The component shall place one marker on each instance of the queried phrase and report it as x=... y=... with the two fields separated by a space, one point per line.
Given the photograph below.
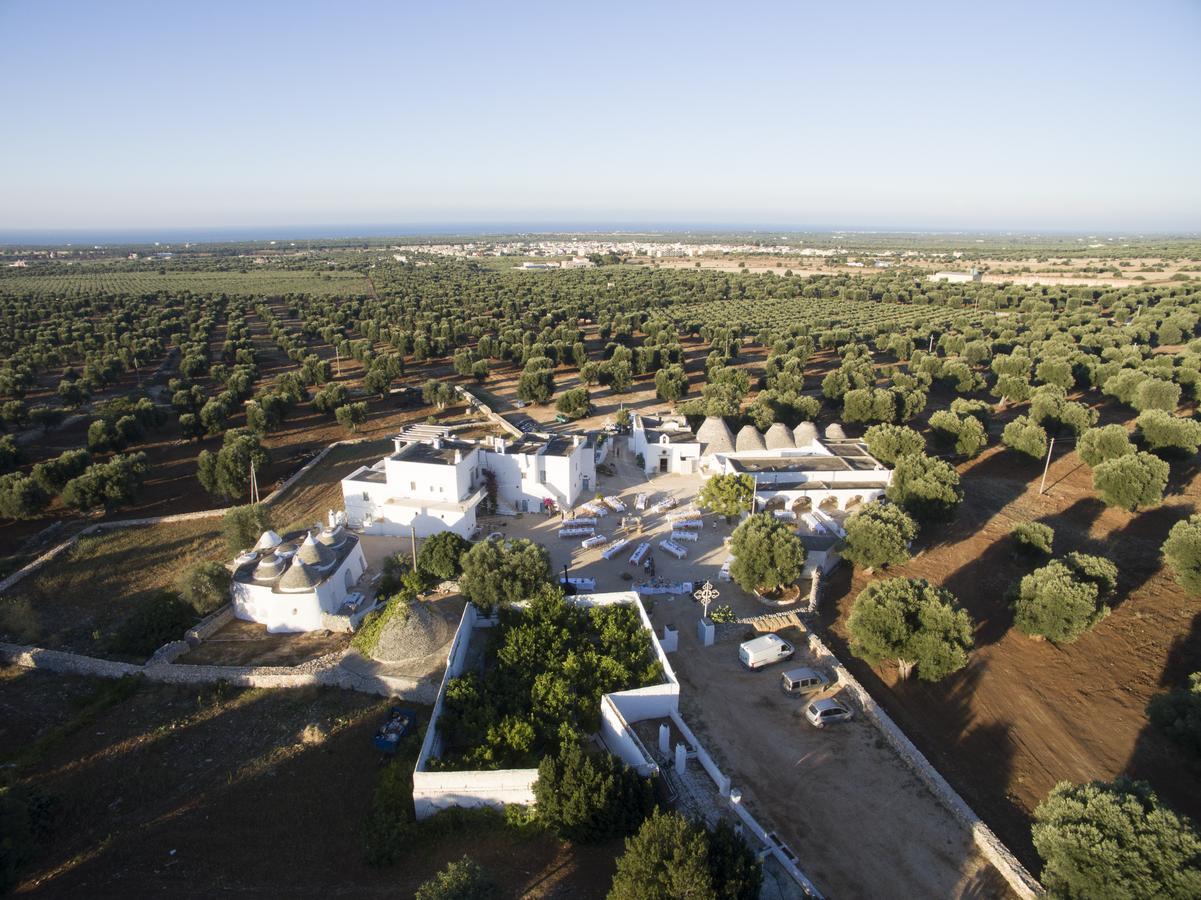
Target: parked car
x=821 y=713
x=765 y=650
x=803 y=681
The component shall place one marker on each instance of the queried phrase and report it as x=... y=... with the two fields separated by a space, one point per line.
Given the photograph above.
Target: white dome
x=269 y=540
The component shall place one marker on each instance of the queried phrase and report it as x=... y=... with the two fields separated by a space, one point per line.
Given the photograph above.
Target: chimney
x=458 y=456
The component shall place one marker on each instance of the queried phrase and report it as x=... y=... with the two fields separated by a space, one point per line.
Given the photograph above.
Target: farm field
x=1026 y=714
x=251 y=283
x=164 y=788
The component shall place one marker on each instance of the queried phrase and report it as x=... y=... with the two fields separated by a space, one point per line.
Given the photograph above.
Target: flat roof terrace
x=808 y=463
x=441 y=455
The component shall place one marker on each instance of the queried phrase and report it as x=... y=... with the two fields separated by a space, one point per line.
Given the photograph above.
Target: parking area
x=860 y=821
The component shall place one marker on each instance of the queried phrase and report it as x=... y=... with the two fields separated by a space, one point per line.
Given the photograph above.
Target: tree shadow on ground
x=1172 y=770
x=954 y=742
x=1136 y=547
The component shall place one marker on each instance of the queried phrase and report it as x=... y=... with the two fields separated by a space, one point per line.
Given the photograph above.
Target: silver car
x=821 y=713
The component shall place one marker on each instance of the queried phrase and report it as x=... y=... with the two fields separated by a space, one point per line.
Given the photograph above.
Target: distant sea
x=183 y=234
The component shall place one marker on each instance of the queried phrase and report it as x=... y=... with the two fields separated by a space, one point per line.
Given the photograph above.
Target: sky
x=1007 y=115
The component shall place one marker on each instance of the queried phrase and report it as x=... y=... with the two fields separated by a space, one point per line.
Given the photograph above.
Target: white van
x=765 y=650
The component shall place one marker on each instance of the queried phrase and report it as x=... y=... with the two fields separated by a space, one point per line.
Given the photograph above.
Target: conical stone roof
x=299 y=577
x=749 y=439
x=314 y=554
x=804 y=434
x=715 y=436
x=269 y=567
x=834 y=432
x=779 y=437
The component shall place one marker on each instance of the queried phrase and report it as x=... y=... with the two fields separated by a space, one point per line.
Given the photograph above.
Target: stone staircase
x=774 y=621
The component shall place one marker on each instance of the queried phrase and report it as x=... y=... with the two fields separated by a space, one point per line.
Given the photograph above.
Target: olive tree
x=1065 y=598
x=441 y=555
x=1096 y=445
x=888 y=443
x=1115 y=840
x=877 y=535
x=926 y=488
x=727 y=495
x=919 y=625
x=1182 y=551
x=496 y=573
x=1025 y=436
x=1133 y=481
x=767 y=553
x=1163 y=431
x=241 y=526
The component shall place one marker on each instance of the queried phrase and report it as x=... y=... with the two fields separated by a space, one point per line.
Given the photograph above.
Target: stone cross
x=706 y=594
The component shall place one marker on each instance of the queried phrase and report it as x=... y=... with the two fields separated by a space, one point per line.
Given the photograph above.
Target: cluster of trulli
x=296 y=585
x=715 y=436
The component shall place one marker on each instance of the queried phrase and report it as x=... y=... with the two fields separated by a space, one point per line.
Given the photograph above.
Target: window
x=412 y=485
x=365 y=496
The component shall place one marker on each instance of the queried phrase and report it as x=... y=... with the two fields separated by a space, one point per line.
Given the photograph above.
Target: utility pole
x=1043 y=486
x=254 y=484
x=413 y=544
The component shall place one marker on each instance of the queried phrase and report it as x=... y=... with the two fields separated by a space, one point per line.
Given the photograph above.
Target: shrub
x=1026 y=437
x=878 y=534
x=767 y=553
x=1178 y=714
x=1115 y=840
x=914 y=622
x=153 y=622
x=727 y=495
x=587 y=797
x=722 y=614
x=1132 y=481
x=1182 y=551
x=496 y=573
x=1034 y=537
x=928 y=489
x=1065 y=598
x=440 y=557
x=464 y=879
x=888 y=443
x=205 y=586
x=242 y=526
x=1097 y=445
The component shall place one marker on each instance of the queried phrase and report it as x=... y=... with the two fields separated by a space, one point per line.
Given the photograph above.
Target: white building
x=301 y=584
x=792 y=469
x=957 y=277
x=434 y=482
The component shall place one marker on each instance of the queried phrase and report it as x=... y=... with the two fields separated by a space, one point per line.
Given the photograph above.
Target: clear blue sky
x=1033 y=115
